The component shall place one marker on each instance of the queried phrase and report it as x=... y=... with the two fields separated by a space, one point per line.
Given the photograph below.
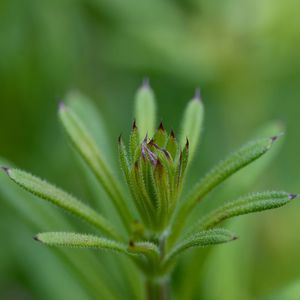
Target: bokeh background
x=245 y=57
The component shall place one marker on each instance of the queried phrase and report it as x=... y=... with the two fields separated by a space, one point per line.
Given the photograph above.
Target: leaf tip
x=146 y=83
x=187 y=144
x=276 y=137
x=197 y=95
x=36 y=238
x=61 y=106
x=293 y=196
x=134 y=125
x=120 y=138
x=172 y=134
x=161 y=126
x=145 y=138
x=6 y=170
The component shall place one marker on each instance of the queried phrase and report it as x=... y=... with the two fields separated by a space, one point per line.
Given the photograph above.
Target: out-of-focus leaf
x=145 y=110
x=290 y=291
x=88 y=112
x=192 y=124
x=88 y=149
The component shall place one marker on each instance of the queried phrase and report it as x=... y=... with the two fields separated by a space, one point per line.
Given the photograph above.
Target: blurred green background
x=244 y=55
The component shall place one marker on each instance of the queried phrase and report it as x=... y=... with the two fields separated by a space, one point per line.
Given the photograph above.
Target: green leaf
x=181 y=168
x=78 y=240
x=143 y=202
x=160 y=137
x=145 y=110
x=133 y=142
x=146 y=248
x=123 y=158
x=172 y=146
x=254 y=202
x=234 y=162
x=192 y=123
x=162 y=188
x=87 y=148
x=201 y=239
x=62 y=199
x=89 y=114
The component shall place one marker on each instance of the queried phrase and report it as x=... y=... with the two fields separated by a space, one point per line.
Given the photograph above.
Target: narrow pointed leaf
x=172 y=146
x=145 y=110
x=142 y=203
x=202 y=239
x=141 y=191
x=133 y=142
x=79 y=240
x=146 y=248
x=124 y=163
x=160 y=137
x=61 y=199
x=192 y=124
x=254 y=202
x=162 y=191
x=234 y=162
x=88 y=112
x=87 y=148
x=181 y=167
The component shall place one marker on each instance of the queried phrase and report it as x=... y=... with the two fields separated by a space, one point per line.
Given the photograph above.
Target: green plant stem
x=158 y=289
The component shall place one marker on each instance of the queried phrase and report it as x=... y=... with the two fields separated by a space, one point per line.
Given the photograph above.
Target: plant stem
x=158 y=289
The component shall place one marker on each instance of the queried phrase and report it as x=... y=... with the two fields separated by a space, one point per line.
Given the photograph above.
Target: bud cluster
x=154 y=171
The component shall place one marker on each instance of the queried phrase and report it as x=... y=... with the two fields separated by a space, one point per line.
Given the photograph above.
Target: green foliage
x=87 y=148
x=201 y=239
x=154 y=166
x=145 y=110
x=223 y=170
x=77 y=240
x=62 y=199
x=192 y=123
x=245 y=205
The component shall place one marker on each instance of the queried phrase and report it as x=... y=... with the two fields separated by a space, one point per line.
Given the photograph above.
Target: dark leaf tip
x=161 y=126
x=166 y=153
x=120 y=138
x=197 y=95
x=36 y=238
x=187 y=144
x=6 y=170
x=146 y=83
x=293 y=196
x=61 y=106
x=172 y=134
x=276 y=137
x=134 y=125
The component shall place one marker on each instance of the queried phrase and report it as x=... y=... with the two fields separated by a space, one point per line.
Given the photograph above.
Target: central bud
x=154 y=171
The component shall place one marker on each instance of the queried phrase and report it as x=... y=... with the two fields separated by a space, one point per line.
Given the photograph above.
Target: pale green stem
x=158 y=289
